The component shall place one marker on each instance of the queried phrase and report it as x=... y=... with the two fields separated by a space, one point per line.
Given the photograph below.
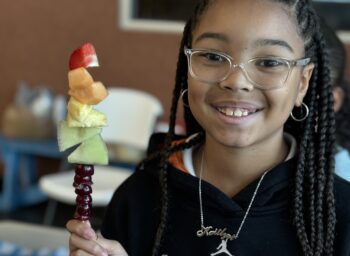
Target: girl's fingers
x=81 y=228
x=84 y=241
x=112 y=247
x=80 y=246
x=79 y=253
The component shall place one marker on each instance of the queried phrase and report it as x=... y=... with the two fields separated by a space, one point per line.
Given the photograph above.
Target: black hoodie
x=133 y=215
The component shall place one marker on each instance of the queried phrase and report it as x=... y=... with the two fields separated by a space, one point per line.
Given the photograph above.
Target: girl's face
x=245 y=30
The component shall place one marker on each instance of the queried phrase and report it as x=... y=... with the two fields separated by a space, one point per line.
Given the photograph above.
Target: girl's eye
x=214 y=57
x=269 y=63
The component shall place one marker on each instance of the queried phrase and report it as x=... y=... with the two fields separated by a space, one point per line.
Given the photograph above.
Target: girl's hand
x=84 y=241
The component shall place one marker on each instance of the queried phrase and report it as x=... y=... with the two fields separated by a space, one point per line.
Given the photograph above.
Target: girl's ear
x=304 y=83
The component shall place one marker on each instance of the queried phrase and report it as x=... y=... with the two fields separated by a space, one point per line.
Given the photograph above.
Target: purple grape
x=84 y=199
x=82 y=183
x=84 y=169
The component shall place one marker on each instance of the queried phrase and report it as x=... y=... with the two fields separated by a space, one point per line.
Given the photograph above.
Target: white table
x=33 y=236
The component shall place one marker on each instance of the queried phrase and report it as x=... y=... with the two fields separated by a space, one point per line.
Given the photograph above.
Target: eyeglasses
x=263 y=72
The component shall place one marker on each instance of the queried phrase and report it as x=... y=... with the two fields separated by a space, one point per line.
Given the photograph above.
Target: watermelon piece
x=85 y=56
x=70 y=136
x=79 y=78
x=94 y=119
x=91 y=151
x=92 y=94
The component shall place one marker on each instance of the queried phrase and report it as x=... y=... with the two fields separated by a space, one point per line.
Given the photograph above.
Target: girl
x=254 y=175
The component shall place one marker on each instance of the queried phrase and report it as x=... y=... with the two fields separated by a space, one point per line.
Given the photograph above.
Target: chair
x=132 y=116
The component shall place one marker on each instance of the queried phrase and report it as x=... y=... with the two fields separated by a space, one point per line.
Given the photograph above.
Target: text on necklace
x=221 y=232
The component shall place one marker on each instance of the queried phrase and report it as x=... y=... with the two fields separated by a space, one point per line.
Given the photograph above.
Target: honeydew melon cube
x=91 y=151
x=68 y=137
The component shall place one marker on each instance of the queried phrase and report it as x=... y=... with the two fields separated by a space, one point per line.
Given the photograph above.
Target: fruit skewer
x=82 y=126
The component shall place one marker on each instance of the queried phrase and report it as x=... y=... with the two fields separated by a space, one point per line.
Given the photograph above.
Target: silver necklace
x=221 y=232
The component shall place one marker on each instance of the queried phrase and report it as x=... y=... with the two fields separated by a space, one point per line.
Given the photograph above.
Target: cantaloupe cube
x=79 y=78
x=70 y=136
x=92 y=94
x=91 y=151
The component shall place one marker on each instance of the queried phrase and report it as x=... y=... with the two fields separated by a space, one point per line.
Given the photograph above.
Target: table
x=20 y=171
x=33 y=236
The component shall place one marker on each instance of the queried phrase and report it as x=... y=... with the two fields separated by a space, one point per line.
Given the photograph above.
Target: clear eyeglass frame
x=290 y=64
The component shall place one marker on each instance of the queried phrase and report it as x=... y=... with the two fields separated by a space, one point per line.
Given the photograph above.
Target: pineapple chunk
x=94 y=119
x=78 y=110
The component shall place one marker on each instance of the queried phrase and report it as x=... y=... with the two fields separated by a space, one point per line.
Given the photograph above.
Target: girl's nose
x=236 y=80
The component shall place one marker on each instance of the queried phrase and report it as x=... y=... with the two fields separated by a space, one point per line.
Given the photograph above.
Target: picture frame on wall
x=133 y=15
x=169 y=15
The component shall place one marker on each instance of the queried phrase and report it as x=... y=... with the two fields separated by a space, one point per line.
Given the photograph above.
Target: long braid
x=329 y=125
x=325 y=207
x=310 y=158
x=311 y=171
x=335 y=52
x=305 y=180
x=317 y=211
x=163 y=164
x=180 y=84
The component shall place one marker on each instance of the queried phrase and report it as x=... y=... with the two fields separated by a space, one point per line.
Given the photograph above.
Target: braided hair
x=314 y=207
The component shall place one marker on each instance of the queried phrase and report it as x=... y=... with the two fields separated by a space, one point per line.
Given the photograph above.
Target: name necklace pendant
x=207 y=231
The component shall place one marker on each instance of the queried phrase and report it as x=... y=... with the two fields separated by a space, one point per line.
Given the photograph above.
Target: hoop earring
x=182 y=98
x=306 y=113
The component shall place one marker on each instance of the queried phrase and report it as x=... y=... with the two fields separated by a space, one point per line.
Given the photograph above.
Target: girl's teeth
x=234 y=112
x=238 y=113
x=229 y=112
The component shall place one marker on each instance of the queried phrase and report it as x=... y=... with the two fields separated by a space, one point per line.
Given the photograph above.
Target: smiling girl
x=254 y=175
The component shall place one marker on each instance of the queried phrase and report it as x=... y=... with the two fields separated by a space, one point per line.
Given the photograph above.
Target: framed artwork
x=335 y=13
x=169 y=15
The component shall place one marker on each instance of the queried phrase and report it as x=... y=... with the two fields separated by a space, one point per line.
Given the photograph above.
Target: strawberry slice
x=85 y=56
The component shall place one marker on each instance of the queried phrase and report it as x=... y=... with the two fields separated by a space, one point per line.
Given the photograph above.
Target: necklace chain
x=235 y=236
